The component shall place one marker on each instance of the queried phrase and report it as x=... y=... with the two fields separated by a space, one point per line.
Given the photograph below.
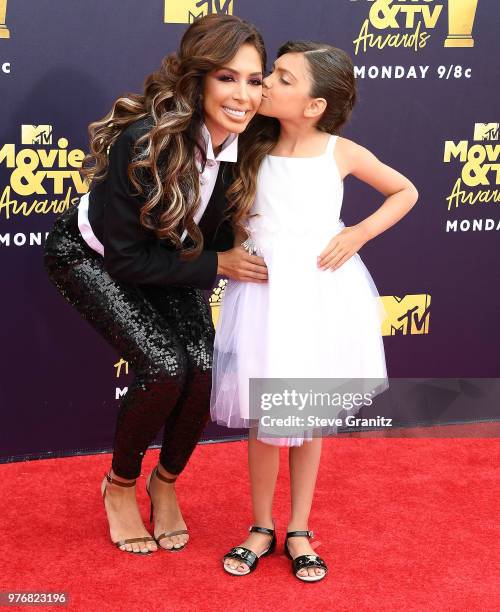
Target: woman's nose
x=241 y=92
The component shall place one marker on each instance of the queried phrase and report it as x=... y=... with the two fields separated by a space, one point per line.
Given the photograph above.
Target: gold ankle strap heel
x=109 y=479
x=165 y=534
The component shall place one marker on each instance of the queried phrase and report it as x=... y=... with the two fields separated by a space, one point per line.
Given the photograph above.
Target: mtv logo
x=486 y=131
x=36 y=134
x=187 y=11
x=406 y=315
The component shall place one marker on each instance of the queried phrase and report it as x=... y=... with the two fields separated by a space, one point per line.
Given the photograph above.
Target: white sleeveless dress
x=304 y=322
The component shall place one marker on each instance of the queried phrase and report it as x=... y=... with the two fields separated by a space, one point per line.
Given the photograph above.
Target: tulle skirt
x=304 y=323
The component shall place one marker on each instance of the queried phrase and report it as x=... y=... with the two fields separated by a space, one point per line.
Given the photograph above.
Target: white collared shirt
x=228 y=153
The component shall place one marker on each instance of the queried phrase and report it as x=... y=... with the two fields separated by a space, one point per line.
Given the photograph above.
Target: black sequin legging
x=165 y=333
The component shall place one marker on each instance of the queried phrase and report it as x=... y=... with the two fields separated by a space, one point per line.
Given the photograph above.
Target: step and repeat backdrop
x=428 y=80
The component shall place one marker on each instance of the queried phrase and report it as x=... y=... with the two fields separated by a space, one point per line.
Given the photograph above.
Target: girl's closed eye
x=284 y=81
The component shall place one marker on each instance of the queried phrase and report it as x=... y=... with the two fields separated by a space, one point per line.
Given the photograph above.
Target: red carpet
x=404 y=524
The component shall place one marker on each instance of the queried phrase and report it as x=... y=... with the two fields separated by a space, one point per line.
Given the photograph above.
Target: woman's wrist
x=221 y=271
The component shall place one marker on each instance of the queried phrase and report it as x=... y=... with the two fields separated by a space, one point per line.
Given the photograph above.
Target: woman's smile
x=235 y=113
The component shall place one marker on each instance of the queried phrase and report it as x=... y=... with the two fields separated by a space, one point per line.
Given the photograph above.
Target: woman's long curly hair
x=164 y=168
x=332 y=75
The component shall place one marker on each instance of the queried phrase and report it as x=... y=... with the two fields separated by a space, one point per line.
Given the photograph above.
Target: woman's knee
x=165 y=362
x=200 y=354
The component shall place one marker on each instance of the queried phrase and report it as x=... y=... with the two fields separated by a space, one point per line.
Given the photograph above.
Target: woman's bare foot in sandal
x=125 y=522
x=166 y=512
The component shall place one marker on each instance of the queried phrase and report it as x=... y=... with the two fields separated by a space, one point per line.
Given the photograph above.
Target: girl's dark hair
x=167 y=152
x=332 y=76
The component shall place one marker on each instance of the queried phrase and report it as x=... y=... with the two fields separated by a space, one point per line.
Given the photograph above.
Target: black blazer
x=134 y=254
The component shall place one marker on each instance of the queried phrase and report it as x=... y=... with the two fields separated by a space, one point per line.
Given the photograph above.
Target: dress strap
x=332 y=141
x=331 y=145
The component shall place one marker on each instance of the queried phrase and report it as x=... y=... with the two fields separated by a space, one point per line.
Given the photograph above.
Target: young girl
x=287 y=196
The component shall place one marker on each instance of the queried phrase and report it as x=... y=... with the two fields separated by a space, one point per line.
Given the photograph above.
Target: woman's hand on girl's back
x=239 y=265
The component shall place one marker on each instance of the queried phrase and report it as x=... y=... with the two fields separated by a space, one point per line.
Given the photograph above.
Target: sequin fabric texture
x=165 y=333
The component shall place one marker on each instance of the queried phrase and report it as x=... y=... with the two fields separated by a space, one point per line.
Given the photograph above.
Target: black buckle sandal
x=305 y=561
x=245 y=555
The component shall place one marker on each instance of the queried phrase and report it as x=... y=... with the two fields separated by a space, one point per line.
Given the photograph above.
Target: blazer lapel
x=212 y=217
x=216 y=206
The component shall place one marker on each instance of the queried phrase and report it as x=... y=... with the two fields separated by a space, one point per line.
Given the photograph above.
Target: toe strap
x=243 y=554
x=307 y=561
x=134 y=540
x=168 y=534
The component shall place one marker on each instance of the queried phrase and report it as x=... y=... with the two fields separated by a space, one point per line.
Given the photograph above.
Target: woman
x=150 y=235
